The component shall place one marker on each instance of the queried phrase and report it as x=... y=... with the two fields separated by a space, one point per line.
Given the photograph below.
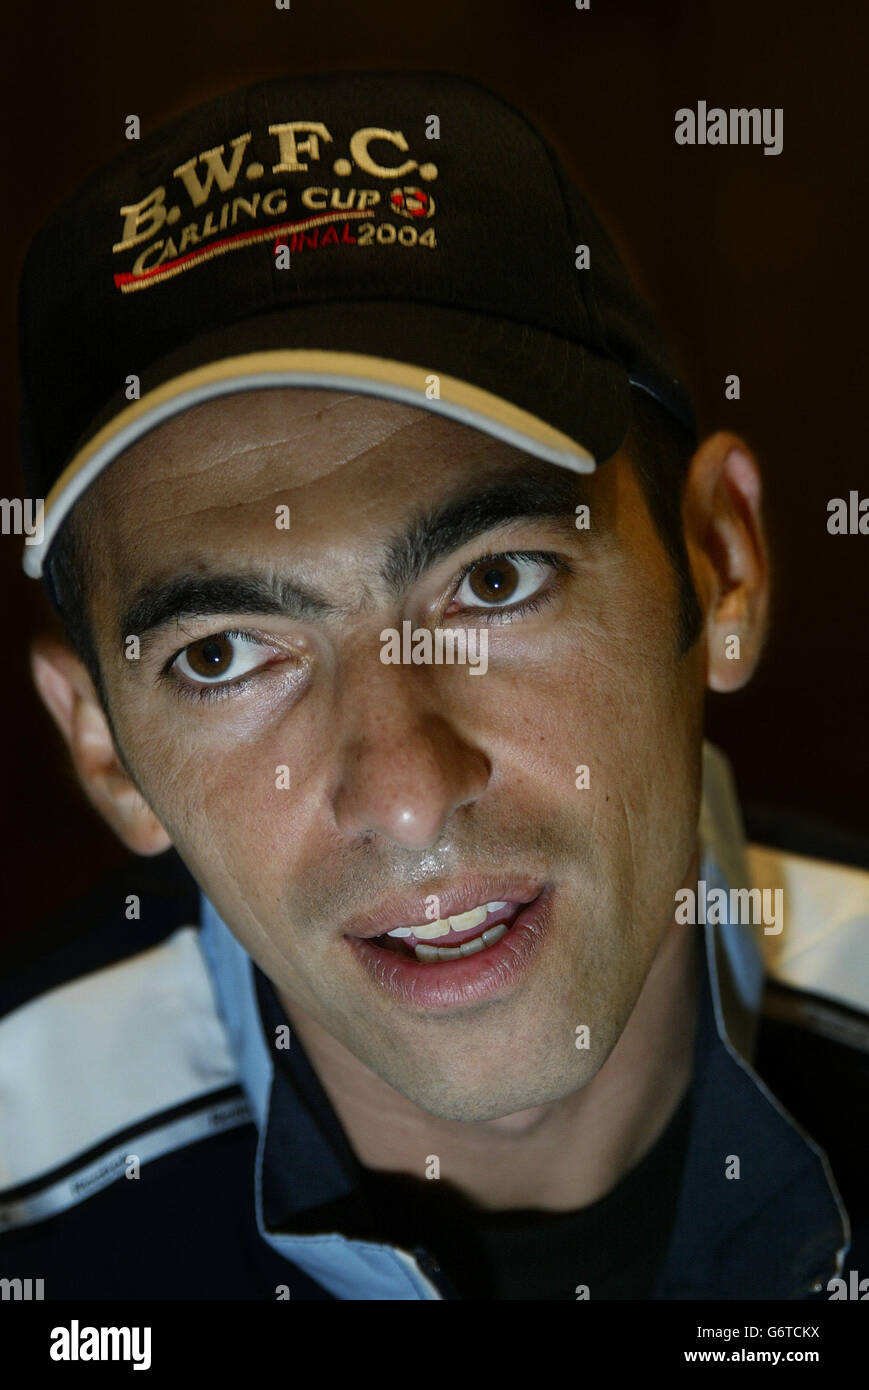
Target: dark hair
x=660 y=450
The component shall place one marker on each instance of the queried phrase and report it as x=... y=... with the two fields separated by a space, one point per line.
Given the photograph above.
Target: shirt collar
x=778 y=1230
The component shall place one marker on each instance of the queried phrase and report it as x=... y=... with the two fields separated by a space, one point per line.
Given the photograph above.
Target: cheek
x=602 y=732
x=231 y=810
x=603 y=685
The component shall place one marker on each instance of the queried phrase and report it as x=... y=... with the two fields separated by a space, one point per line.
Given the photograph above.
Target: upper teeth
x=463 y=921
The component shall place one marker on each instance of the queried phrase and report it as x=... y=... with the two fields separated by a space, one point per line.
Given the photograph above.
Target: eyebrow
x=439 y=531
x=427 y=538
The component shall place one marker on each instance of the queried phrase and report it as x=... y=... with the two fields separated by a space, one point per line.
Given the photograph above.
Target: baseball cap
x=401 y=234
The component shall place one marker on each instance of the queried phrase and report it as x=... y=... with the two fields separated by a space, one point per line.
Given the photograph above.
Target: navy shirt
x=614 y=1247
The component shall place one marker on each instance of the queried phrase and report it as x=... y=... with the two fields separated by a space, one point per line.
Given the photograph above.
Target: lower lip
x=471 y=980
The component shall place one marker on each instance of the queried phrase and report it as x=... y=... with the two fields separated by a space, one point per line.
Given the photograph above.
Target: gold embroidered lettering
x=142 y=220
x=359 y=150
x=272 y=208
x=189 y=237
x=290 y=148
x=247 y=205
x=217 y=170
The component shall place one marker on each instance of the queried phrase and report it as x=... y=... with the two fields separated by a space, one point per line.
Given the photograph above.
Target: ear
x=724 y=534
x=69 y=695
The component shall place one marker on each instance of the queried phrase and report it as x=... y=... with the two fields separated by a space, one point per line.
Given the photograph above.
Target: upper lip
x=410 y=911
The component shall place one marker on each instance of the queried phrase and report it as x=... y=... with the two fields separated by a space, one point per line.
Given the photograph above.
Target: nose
x=405 y=766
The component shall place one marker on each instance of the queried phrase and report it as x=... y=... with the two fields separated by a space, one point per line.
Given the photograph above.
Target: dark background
x=755 y=264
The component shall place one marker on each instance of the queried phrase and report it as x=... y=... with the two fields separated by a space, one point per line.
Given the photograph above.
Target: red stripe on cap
x=231 y=242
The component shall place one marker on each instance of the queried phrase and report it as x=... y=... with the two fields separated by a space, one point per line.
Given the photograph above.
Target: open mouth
x=452 y=938
x=479 y=954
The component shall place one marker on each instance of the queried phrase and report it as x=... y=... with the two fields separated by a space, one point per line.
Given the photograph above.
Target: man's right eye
x=222 y=659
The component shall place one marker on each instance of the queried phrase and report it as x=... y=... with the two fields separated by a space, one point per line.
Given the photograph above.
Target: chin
x=487 y=1098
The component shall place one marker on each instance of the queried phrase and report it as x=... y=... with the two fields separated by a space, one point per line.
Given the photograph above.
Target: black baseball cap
x=402 y=234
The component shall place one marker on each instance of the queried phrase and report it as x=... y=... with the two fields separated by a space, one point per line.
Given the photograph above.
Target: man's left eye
x=501 y=580
x=222 y=658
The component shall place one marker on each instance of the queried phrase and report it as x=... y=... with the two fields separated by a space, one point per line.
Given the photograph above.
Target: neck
x=558 y=1156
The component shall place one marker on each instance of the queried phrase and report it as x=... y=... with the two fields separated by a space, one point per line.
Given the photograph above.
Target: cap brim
x=533 y=389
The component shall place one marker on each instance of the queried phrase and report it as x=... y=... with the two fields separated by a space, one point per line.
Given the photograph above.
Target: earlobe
x=68 y=694
x=725 y=535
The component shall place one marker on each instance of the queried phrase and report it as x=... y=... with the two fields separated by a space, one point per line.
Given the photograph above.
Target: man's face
x=316 y=792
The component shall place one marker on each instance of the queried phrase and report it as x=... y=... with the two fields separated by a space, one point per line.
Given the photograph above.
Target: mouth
x=477 y=950
x=452 y=938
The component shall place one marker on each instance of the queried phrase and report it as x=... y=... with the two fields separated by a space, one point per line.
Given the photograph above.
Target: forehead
x=335 y=458
x=290 y=437
x=344 y=472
